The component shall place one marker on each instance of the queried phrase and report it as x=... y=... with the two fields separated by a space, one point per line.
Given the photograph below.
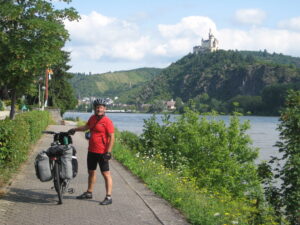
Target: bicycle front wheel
x=57 y=183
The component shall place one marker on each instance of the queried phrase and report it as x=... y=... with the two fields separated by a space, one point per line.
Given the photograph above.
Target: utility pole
x=48 y=73
x=46 y=87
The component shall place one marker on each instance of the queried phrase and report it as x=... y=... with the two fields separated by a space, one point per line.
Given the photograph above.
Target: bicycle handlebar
x=53 y=132
x=49 y=132
x=63 y=138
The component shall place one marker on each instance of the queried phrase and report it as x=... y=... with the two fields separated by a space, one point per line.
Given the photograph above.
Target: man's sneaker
x=106 y=201
x=85 y=195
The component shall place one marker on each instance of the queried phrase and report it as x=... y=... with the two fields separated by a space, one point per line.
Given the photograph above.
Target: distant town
x=85 y=104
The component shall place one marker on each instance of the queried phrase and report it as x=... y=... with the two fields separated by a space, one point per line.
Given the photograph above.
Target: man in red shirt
x=99 y=151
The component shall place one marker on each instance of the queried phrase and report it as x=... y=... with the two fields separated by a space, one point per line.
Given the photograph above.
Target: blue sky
x=121 y=35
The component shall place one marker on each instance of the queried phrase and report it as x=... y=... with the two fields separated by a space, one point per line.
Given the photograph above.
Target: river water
x=263 y=130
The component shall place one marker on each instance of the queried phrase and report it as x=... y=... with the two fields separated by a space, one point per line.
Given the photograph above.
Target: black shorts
x=94 y=158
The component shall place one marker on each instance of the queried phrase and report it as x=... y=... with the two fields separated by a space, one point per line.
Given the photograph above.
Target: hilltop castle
x=210 y=45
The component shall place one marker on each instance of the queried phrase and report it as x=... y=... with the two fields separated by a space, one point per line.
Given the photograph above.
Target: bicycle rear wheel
x=57 y=183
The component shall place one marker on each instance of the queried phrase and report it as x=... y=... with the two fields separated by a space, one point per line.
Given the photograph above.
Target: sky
x=122 y=35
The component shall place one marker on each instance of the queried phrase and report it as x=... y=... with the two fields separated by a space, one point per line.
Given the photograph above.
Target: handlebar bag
x=42 y=167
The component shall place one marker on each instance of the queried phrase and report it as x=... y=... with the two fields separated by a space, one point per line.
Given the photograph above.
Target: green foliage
x=61 y=93
x=2 y=105
x=15 y=139
x=157 y=106
x=121 y=83
x=273 y=58
x=289 y=146
x=274 y=96
x=32 y=35
x=224 y=76
x=199 y=204
x=246 y=104
x=220 y=157
x=131 y=140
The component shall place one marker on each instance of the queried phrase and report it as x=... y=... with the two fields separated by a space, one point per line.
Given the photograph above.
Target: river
x=263 y=130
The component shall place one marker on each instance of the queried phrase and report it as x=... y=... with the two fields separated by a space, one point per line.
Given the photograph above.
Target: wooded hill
x=111 y=84
x=247 y=81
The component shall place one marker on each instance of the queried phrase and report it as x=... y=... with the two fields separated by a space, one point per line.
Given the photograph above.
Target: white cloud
x=280 y=41
x=96 y=36
x=292 y=24
x=101 y=43
x=250 y=16
x=192 y=26
x=99 y=38
x=178 y=39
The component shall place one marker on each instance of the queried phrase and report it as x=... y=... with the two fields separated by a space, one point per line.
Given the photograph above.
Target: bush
x=218 y=156
x=213 y=161
x=2 y=105
x=289 y=146
x=16 y=137
x=199 y=205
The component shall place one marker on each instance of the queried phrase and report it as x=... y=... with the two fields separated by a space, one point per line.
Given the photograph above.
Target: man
x=99 y=151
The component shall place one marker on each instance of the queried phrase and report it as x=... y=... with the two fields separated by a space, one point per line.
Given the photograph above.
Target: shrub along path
x=30 y=201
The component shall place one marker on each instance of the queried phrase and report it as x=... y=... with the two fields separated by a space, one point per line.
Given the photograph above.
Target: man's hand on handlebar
x=71 y=131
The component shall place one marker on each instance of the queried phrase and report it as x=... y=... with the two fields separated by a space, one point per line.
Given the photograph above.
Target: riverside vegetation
x=16 y=137
x=286 y=198
x=202 y=166
x=206 y=168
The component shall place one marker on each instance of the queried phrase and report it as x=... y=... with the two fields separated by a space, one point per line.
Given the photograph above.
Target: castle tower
x=210 y=45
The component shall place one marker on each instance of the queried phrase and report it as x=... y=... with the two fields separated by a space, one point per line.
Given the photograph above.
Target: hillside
x=111 y=84
x=273 y=57
x=223 y=76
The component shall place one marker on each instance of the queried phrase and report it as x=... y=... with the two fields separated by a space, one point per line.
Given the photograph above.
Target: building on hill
x=171 y=105
x=210 y=45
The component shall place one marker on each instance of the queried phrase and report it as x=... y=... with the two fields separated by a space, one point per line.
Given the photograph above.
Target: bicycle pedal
x=71 y=190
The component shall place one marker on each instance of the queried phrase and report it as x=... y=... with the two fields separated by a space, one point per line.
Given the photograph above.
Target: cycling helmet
x=99 y=101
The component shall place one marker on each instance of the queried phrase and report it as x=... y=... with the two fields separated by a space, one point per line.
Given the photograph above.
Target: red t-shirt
x=99 y=140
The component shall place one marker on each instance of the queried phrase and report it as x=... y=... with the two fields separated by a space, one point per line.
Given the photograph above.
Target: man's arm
x=111 y=142
x=82 y=128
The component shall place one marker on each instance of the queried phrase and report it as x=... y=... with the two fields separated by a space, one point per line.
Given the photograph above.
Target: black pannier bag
x=74 y=163
x=57 y=150
x=42 y=167
x=66 y=163
x=65 y=152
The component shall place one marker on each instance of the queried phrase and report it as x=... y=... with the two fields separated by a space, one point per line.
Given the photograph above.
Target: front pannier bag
x=42 y=167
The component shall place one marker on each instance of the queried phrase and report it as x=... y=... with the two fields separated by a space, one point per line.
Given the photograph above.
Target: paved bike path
x=30 y=201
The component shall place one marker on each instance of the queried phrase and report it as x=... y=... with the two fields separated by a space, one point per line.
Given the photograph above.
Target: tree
x=157 y=106
x=32 y=34
x=289 y=145
x=61 y=93
x=179 y=105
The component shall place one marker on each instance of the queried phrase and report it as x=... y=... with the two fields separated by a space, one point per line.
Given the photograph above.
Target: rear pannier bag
x=42 y=167
x=66 y=163
x=74 y=163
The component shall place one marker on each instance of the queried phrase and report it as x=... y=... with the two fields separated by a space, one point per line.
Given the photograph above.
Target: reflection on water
x=263 y=129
